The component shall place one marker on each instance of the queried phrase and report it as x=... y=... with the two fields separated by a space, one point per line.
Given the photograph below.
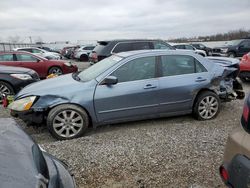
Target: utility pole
x=30 y=39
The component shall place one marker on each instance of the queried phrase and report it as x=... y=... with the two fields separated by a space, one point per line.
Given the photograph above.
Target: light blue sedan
x=130 y=86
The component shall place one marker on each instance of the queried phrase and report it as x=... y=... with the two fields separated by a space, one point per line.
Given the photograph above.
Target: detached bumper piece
x=236 y=174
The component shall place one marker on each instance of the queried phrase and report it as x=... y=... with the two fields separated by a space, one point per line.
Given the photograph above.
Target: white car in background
x=40 y=52
x=82 y=53
x=190 y=48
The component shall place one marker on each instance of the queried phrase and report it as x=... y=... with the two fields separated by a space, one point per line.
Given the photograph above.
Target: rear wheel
x=55 y=70
x=5 y=89
x=207 y=106
x=67 y=121
x=84 y=57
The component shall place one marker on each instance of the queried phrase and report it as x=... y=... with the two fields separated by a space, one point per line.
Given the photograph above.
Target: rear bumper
x=238 y=170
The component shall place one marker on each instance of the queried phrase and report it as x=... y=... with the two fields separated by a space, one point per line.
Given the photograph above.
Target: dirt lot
x=168 y=152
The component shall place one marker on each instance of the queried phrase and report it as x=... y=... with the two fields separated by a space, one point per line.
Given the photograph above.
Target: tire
x=207 y=106
x=67 y=121
x=55 y=70
x=231 y=54
x=84 y=57
x=5 y=89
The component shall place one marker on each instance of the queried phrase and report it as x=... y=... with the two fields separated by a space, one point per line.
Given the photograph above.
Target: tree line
x=230 y=35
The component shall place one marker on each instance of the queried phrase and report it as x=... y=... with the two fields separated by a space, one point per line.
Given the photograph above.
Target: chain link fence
x=10 y=46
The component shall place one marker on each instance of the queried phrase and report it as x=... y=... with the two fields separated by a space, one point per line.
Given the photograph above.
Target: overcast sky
x=61 y=20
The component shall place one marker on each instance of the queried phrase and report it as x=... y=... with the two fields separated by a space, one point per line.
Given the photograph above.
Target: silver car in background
x=130 y=86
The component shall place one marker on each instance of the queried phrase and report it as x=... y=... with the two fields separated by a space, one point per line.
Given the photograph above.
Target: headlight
x=69 y=64
x=224 y=50
x=22 y=104
x=22 y=76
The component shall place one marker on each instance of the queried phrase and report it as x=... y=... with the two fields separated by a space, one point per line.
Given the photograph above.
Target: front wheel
x=5 y=89
x=55 y=70
x=67 y=121
x=207 y=106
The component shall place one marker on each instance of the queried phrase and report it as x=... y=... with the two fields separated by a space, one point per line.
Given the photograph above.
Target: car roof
x=129 y=40
x=154 y=52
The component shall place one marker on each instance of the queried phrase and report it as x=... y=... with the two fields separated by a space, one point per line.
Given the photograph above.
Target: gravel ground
x=167 y=152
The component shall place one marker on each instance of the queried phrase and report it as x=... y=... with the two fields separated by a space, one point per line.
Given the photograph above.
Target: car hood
x=14 y=70
x=22 y=162
x=52 y=86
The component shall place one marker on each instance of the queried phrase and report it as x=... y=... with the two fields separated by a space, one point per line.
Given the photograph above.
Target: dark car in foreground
x=235 y=170
x=24 y=165
x=107 y=48
x=13 y=79
x=42 y=66
x=234 y=48
x=130 y=86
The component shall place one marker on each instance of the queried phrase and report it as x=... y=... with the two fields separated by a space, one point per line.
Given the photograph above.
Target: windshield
x=233 y=42
x=98 y=68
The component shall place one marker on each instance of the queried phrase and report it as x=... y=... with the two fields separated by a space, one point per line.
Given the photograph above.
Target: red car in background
x=245 y=67
x=42 y=66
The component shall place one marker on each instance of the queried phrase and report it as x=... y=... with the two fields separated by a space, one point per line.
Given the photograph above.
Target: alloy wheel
x=4 y=90
x=208 y=107
x=68 y=123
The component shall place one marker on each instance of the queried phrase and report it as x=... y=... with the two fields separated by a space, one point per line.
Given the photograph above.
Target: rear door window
x=25 y=57
x=179 y=46
x=141 y=46
x=161 y=45
x=180 y=64
x=6 y=57
x=188 y=47
x=123 y=47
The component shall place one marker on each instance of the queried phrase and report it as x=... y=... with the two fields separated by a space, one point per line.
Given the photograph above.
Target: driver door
x=133 y=97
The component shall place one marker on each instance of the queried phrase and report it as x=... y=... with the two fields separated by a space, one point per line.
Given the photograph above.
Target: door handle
x=200 y=79
x=149 y=86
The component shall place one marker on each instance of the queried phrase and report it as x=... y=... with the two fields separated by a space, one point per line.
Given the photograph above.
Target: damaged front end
x=228 y=86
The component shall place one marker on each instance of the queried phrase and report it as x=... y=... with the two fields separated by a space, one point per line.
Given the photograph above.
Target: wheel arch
x=71 y=103
x=198 y=93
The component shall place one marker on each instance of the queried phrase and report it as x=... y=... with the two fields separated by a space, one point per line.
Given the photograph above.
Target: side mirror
x=110 y=80
x=241 y=46
x=38 y=60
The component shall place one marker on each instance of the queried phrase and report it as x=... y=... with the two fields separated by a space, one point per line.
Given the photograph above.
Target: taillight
x=245 y=118
x=224 y=174
x=94 y=56
x=246 y=113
